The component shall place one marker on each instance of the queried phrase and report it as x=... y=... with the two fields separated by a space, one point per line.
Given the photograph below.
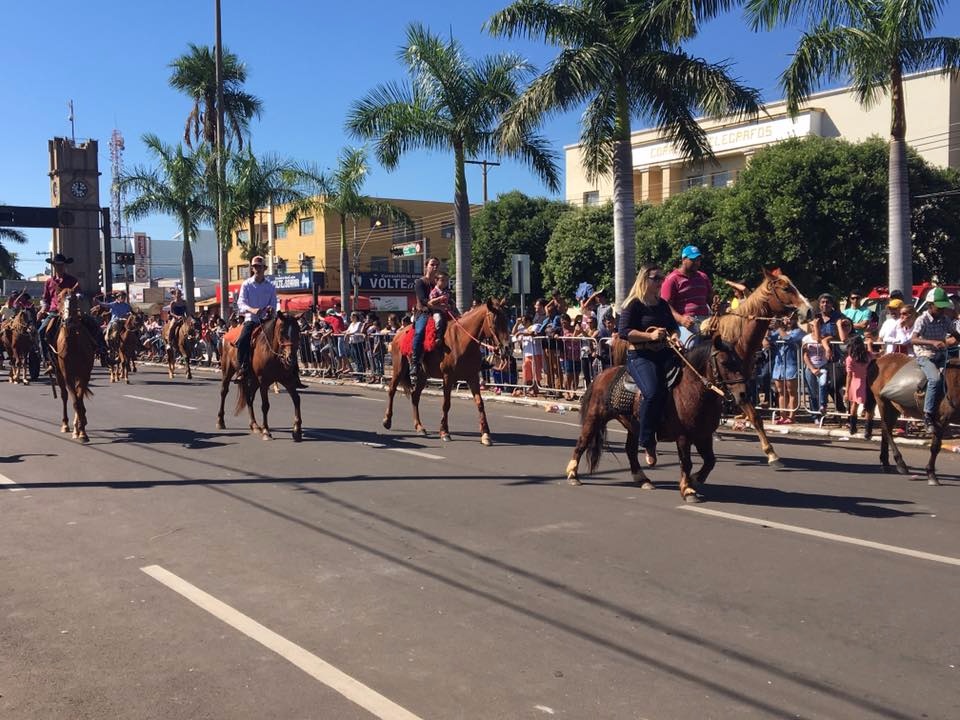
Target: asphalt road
x=169 y=570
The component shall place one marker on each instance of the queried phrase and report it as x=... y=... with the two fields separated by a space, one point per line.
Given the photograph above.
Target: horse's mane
x=699 y=355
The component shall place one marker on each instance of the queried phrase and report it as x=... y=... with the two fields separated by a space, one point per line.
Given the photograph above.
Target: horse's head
x=497 y=327
x=287 y=337
x=782 y=294
x=69 y=304
x=726 y=369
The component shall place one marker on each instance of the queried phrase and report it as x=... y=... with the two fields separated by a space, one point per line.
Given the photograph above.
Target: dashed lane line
x=4 y=480
x=317 y=668
x=834 y=537
x=160 y=402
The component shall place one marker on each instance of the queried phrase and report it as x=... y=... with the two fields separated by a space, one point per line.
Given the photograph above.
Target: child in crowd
x=858 y=358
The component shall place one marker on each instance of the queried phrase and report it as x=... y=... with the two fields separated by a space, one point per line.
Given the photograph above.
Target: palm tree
x=253 y=183
x=341 y=194
x=178 y=187
x=8 y=260
x=874 y=43
x=623 y=59
x=450 y=104
x=195 y=74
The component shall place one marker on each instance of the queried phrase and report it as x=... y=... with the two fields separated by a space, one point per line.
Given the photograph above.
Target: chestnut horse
x=691 y=414
x=273 y=359
x=879 y=373
x=183 y=341
x=74 y=349
x=19 y=338
x=124 y=344
x=458 y=358
x=744 y=329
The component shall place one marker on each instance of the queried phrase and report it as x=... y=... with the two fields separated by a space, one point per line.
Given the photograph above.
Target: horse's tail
x=82 y=390
x=241 y=399
x=597 y=437
x=873 y=371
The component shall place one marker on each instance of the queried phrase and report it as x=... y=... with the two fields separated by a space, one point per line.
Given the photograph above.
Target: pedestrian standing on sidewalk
x=857 y=360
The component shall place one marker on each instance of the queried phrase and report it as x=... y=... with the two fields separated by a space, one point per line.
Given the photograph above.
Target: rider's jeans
x=931 y=368
x=243 y=343
x=649 y=376
x=689 y=338
x=419 y=328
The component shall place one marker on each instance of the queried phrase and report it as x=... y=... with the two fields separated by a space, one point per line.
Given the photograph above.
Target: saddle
x=233 y=334
x=624 y=393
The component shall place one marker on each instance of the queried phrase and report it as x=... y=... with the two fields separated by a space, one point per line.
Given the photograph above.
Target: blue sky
x=307 y=61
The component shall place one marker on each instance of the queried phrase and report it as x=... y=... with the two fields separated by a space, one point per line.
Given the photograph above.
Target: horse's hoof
x=422 y=432
x=573 y=480
x=297 y=436
x=221 y=426
x=127 y=381
x=64 y=428
x=903 y=469
x=267 y=436
x=387 y=423
x=933 y=481
x=486 y=440
x=692 y=498
x=445 y=437
x=84 y=439
x=775 y=463
x=26 y=382
x=647 y=485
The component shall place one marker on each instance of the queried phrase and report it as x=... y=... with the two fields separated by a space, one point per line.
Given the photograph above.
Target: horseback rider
x=688 y=291
x=443 y=303
x=178 y=311
x=59 y=280
x=646 y=322
x=421 y=312
x=930 y=333
x=119 y=309
x=257 y=300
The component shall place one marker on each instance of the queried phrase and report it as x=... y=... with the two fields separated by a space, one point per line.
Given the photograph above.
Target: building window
x=410 y=266
x=591 y=198
x=280 y=231
x=243 y=236
x=306 y=226
x=280 y=266
x=379 y=264
x=720 y=179
x=698 y=181
x=446 y=230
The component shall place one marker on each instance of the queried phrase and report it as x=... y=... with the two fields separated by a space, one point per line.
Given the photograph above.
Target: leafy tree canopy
x=513 y=223
x=580 y=249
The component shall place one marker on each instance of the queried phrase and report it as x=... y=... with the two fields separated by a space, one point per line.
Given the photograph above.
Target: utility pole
x=221 y=239
x=485 y=164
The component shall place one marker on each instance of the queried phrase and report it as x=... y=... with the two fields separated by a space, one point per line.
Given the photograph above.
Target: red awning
x=303 y=301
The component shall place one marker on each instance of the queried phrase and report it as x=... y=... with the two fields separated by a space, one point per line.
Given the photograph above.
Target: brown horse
x=458 y=358
x=691 y=414
x=880 y=375
x=273 y=359
x=124 y=342
x=181 y=336
x=19 y=338
x=74 y=349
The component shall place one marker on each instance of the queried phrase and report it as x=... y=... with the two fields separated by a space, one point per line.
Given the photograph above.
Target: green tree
x=875 y=43
x=513 y=223
x=686 y=219
x=580 y=249
x=253 y=183
x=340 y=194
x=451 y=104
x=195 y=75
x=623 y=59
x=176 y=187
x=8 y=260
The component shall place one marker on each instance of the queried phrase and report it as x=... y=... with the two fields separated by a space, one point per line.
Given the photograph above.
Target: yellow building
x=310 y=247
x=933 y=130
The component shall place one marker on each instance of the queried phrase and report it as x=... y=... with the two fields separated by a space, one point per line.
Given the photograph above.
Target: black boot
x=414 y=371
x=928 y=427
x=852 y=424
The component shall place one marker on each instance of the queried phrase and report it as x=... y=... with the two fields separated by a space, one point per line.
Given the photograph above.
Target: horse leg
x=939 y=424
x=474 y=385
x=391 y=391
x=171 y=357
x=757 y=421
x=297 y=420
x=264 y=409
x=704 y=446
x=888 y=419
x=64 y=425
x=225 y=376
x=632 y=448
x=687 y=491
x=189 y=373
x=415 y=402
x=445 y=410
x=80 y=417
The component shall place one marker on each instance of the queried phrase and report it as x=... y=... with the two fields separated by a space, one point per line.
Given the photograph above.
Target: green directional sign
x=411 y=249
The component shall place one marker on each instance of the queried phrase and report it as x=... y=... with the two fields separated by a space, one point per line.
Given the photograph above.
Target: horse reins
x=706 y=381
x=488 y=346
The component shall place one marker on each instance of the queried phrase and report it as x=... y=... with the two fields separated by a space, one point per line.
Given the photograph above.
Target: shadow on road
x=189 y=439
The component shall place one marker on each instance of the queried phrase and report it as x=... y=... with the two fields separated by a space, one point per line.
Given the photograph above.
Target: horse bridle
x=489 y=323
x=718 y=379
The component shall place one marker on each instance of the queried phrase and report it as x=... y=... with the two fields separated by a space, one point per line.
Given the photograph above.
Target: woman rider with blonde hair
x=646 y=322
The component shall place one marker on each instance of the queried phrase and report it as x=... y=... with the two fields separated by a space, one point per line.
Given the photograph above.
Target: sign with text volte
x=298 y=281
x=380 y=281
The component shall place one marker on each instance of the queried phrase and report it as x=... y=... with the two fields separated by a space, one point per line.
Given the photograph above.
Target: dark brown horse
x=273 y=359
x=181 y=336
x=19 y=338
x=124 y=342
x=74 y=349
x=880 y=375
x=458 y=358
x=691 y=415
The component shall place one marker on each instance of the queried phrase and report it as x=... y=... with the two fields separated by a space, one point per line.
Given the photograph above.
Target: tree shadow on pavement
x=6 y=459
x=189 y=439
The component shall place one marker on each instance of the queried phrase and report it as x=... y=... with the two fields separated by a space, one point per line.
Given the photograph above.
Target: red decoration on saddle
x=405 y=339
x=233 y=334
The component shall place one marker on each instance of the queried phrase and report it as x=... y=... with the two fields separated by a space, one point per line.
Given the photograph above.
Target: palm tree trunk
x=900 y=270
x=624 y=241
x=186 y=263
x=344 y=268
x=461 y=231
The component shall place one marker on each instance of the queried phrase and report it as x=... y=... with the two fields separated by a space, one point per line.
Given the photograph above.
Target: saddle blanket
x=404 y=338
x=624 y=390
x=233 y=334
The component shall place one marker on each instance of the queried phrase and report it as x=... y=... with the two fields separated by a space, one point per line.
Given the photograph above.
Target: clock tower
x=75 y=191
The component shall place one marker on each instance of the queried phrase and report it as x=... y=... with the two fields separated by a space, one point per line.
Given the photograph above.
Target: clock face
x=79 y=189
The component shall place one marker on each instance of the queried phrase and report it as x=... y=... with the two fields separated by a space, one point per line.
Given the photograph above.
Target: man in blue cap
x=688 y=291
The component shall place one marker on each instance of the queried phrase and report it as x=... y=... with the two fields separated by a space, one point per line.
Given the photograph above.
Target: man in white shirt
x=257 y=301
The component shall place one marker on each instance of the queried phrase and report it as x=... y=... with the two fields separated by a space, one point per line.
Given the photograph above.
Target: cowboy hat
x=60 y=258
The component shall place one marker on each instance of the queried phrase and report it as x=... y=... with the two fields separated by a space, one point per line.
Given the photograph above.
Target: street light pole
x=356 y=263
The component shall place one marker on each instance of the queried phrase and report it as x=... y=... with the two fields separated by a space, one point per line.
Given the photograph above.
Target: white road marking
x=319 y=669
x=418 y=453
x=946 y=559
x=610 y=428
x=368 y=399
x=160 y=402
x=4 y=480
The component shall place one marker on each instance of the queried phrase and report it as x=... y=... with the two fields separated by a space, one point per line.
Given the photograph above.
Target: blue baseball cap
x=691 y=252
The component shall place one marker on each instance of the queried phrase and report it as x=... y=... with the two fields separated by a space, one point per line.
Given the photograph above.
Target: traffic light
x=396 y=251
